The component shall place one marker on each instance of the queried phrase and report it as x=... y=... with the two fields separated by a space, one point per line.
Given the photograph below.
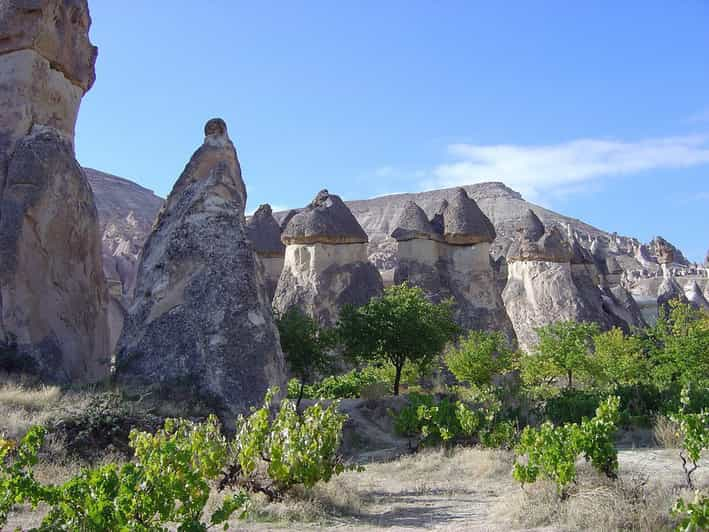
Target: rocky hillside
x=127 y=211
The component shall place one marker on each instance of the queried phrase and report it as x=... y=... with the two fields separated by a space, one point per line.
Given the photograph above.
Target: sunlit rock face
x=53 y=295
x=326 y=263
x=200 y=320
x=449 y=257
x=264 y=233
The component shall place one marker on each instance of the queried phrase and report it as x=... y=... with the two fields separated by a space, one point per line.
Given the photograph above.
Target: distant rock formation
x=200 y=320
x=326 y=263
x=450 y=257
x=695 y=296
x=127 y=212
x=53 y=295
x=264 y=233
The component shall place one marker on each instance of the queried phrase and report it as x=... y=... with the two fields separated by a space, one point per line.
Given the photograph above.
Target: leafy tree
x=564 y=351
x=694 y=431
x=480 y=356
x=619 y=359
x=305 y=345
x=401 y=325
x=677 y=346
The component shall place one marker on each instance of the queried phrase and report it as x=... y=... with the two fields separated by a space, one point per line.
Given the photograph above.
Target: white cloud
x=567 y=167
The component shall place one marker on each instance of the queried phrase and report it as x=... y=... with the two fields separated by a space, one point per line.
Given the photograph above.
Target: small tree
x=619 y=358
x=479 y=357
x=401 y=325
x=564 y=351
x=305 y=345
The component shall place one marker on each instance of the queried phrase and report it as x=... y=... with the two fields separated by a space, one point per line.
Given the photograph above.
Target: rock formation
x=540 y=287
x=199 y=320
x=326 y=263
x=53 y=296
x=264 y=233
x=450 y=257
x=695 y=296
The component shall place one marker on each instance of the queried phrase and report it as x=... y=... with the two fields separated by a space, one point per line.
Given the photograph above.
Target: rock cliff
x=53 y=295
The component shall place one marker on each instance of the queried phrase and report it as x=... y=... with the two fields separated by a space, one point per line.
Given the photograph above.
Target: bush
x=272 y=455
x=167 y=483
x=481 y=356
x=693 y=515
x=694 y=433
x=571 y=406
x=551 y=451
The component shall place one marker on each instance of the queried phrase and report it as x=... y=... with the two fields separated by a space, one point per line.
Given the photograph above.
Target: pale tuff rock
x=696 y=297
x=264 y=233
x=450 y=258
x=551 y=279
x=53 y=296
x=200 y=321
x=326 y=264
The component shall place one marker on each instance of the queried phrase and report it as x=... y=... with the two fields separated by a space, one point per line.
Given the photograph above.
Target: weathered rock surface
x=127 y=212
x=326 y=264
x=200 y=320
x=453 y=263
x=53 y=296
x=264 y=233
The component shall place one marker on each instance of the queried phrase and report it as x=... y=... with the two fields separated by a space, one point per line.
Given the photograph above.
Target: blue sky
x=599 y=110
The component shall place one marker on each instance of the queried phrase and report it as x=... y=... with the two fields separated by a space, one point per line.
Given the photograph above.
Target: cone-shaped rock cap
x=413 y=223
x=264 y=233
x=535 y=243
x=530 y=226
x=437 y=220
x=464 y=223
x=327 y=220
x=287 y=218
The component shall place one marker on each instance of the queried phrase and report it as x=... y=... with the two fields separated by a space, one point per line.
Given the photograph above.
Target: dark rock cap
x=464 y=222
x=327 y=220
x=530 y=226
x=264 y=233
x=413 y=223
x=287 y=218
x=437 y=221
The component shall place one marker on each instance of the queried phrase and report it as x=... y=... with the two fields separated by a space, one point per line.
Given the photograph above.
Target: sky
x=598 y=110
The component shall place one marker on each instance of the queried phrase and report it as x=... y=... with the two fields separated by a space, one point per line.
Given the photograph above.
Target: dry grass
x=666 y=433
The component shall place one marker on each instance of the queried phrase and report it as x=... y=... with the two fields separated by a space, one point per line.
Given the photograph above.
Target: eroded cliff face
x=53 y=295
x=200 y=322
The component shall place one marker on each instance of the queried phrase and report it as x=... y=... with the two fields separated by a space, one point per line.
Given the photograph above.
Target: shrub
x=694 y=516
x=571 y=406
x=479 y=357
x=274 y=454
x=167 y=483
x=694 y=434
x=551 y=451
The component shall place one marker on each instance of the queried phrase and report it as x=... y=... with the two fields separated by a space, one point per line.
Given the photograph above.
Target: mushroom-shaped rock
x=413 y=223
x=200 y=323
x=437 y=222
x=464 y=222
x=530 y=227
x=326 y=264
x=287 y=218
x=264 y=233
x=327 y=220
x=53 y=294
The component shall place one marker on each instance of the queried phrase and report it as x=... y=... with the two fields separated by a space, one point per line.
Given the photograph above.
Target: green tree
x=305 y=345
x=677 y=347
x=565 y=350
x=619 y=358
x=480 y=356
x=401 y=325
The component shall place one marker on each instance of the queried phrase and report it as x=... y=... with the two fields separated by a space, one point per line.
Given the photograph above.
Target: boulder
x=326 y=263
x=53 y=294
x=200 y=321
x=264 y=233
